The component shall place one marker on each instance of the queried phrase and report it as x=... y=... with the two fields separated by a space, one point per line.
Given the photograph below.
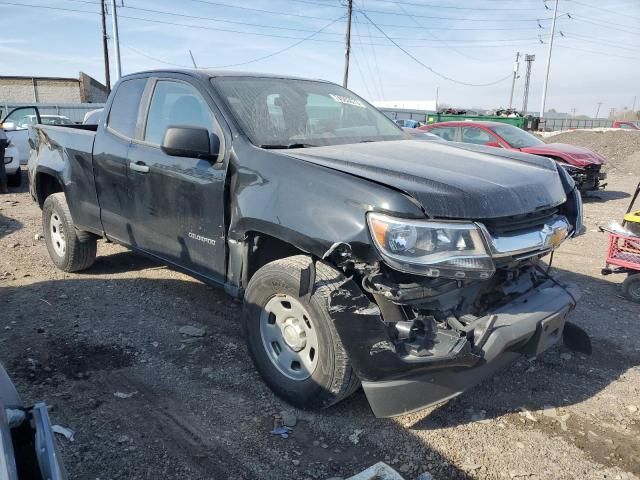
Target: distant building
x=424 y=105
x=84 y=89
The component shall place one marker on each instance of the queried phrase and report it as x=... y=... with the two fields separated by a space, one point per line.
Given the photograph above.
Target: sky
x=401 y=49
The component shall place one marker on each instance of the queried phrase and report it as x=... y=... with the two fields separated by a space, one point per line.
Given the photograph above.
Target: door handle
x=139 y=167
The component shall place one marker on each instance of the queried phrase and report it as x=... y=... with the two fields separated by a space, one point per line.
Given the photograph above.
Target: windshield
x=281 y=113
x=516 y=137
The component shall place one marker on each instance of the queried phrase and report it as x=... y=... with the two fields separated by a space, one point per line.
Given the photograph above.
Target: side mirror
x=192 y=142
x=8 y=126
x=493 y=144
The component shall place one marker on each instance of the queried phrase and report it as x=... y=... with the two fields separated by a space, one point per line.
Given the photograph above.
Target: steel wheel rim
x=289 y=337
x=58 y=239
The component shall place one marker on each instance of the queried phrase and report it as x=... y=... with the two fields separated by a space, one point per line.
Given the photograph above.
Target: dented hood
x=449 y=182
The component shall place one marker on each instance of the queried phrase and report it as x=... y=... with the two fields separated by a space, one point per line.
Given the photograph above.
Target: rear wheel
x=70 y=250
x=631 y=287
x=292 y=340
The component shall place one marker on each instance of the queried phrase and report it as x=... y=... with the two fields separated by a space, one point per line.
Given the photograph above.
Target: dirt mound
x=620 y=148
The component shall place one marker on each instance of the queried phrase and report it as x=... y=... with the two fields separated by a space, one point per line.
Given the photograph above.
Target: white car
x=17 y=123
x=12 y=166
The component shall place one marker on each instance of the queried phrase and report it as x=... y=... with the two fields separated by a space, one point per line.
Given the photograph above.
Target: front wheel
x=631 y=287
x=292 y=340
x=70 y=250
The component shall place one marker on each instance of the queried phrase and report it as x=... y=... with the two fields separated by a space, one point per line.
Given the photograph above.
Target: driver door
x=178 y=201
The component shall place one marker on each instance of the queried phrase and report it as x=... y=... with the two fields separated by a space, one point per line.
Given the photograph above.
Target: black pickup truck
x=363 y=256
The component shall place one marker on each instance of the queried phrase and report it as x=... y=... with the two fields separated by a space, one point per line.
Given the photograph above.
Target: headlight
x=431 y=248
x=8 y=160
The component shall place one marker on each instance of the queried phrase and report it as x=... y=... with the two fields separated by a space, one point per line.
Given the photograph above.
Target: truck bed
x=66 y=152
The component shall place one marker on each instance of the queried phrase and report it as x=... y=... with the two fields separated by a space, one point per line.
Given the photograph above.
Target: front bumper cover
x=396 y=385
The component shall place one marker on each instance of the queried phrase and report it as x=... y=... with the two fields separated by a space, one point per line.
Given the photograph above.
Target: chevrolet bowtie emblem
x=553 y=237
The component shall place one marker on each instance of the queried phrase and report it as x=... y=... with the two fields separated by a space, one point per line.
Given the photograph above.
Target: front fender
x=308 y=206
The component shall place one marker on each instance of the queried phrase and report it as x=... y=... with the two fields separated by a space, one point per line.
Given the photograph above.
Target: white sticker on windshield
x=347 y=101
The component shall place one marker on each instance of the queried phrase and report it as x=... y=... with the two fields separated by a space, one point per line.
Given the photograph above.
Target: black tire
x=80 y=251
x=631 y=287
x=333 y=378
x=15 y=180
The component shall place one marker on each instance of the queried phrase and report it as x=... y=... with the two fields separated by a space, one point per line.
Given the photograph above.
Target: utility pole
x=546 y=75
x=516 y=67
x=105 y=46
x=598 y=110
x=527 y=77
x=116 y=39
x=437 y=95
x=347 y=49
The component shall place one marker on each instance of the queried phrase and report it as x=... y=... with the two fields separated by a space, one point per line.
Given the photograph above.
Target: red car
x=583 y=164
x=626 y=125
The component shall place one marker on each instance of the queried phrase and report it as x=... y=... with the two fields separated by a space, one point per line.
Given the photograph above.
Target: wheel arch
x=47 y=182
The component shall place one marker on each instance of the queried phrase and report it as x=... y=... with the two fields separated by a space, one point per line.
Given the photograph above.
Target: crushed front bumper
x=396 y=385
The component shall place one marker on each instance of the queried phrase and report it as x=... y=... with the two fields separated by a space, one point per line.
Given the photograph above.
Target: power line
x=613 y=12
x=608 y=54
x=49 y=8
x=458 y=19
x=263 y=57
x=282 y=50
x=471 y=43
x=375 y=61
x=428 y=67
x=454 y=7
x=260 y=10
x=155 y=59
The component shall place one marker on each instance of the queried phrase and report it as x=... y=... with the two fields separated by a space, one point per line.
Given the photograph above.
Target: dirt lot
x=103 y=348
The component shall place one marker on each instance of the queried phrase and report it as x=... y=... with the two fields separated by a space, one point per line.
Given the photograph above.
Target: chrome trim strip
x=544 y=239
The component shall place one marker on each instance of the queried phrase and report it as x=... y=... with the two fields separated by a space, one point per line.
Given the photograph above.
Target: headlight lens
x=431 y=248
x=8 y=160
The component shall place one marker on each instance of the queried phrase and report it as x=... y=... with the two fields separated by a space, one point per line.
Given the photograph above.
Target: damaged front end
x=466 y=299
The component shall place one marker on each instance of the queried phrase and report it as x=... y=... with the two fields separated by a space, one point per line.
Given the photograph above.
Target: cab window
x=175 y=104
x=446 y=133
x=475 y=135
x=123 y=116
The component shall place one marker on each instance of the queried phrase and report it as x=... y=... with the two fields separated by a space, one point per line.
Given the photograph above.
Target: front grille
x=520 y=222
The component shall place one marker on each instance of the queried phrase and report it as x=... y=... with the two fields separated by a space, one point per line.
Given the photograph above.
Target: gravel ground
x=104 y=349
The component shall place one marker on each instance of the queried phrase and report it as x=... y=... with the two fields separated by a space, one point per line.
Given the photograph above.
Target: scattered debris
x=379 y=471
x=38 y=236
x=124 y=395
x=632 y=408
x=289 y=418
x=283 y=431
x=124 y=439
x=566 y=356
x=355 y=436
x=524 y=412
x=428 y=476
x=191 y=331
x=66 y=432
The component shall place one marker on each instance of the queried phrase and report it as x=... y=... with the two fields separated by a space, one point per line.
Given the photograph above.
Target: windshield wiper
x=291 y=145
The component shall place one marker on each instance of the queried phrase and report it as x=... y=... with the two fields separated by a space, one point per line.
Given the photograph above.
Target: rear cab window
x=123 y=116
